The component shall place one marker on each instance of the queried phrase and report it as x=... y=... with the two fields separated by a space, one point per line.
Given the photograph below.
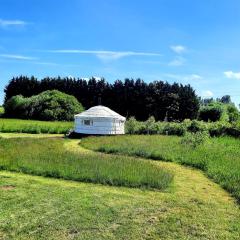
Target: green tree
x=49 y=105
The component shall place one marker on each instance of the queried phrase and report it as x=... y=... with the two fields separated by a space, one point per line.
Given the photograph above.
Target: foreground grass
x=49 y=157
x=41 y=208
x=219 y=158
x=35 y=127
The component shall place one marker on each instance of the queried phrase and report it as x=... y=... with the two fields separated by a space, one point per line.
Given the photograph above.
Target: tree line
x=163 y=101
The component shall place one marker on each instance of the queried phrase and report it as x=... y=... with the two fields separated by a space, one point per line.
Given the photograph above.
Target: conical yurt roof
x=100 y=112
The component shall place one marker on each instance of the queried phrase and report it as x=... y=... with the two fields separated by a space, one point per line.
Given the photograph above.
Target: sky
x=189 y=42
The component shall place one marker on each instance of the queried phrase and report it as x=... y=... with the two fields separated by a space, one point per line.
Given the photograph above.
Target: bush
x=131 y=126
x=214 y=129
x=1 y=111
x=150 y=126
x=196 y=126
x=48 y=106
x=233 y=113
x=174 y=129
x=195 y=139
x=218 y=128
x=233 y=130
x=212 y=112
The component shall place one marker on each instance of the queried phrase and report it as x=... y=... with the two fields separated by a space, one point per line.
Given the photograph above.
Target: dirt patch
x=7 y=187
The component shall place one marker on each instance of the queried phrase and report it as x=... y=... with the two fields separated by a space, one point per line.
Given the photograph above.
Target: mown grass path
x=41 y=208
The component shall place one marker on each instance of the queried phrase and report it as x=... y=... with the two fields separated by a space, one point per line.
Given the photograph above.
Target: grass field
x=35 y=207
x=219 y=158
x=41 y=208
x=52 y=158
x=34 y=127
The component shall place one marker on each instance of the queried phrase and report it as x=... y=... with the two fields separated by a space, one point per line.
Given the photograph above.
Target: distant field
x=34 y=127
x=219 y=158
x=50 y=157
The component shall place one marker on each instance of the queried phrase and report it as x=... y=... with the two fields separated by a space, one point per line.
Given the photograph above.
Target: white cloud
x=185 y=78
x=17 y=57
x=106 y=55
x=177 y=61
x=70 y=76
x=233 y=75
x=5 y=23
x=207 y=93
x=178 y=49
x=87 y=78
x=194 y=77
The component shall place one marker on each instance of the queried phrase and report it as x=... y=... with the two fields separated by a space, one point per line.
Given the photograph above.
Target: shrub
x=150 y=126
x=217 y=129
x=214 y=129
x=195 y=139
x=233 y=113
x=233 y=129
x=131 y=125
x=1 y=111
x=49 y=106
x=196 y=126
x=174 y=129
x=212 y=112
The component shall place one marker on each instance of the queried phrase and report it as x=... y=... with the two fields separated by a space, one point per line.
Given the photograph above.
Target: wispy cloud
x=207 y=94
x=17 y=57
x=232 y=75
x=194 y=77
x=186 y=78
x=88 y=78
x=106 y=55
x=177 y=61
x=5 y=23
x=178 y=49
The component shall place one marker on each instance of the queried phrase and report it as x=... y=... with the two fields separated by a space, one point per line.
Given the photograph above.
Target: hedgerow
x=214 y=129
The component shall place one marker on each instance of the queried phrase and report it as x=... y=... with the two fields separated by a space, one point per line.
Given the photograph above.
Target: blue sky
x=195 y=42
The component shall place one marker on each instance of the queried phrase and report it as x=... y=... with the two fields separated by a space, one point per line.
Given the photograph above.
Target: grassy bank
x=35 y=127
x=50 y=157
x=219 y=158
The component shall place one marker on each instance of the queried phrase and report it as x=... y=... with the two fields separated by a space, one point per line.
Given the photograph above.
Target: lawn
x=189 y=206
x=34 y=127
x=42 y=208
x=219 y=158
x=51 y=157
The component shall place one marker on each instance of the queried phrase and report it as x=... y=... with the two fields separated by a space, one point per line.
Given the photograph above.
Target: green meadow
x=53 y=158
x=219 y=157
x=118 y=193
x=33 y=126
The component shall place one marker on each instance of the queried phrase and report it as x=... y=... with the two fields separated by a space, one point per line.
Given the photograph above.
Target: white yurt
x=99 y=120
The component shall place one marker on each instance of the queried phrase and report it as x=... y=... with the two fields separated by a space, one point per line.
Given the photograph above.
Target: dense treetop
x=51 y=105
x=129 y=97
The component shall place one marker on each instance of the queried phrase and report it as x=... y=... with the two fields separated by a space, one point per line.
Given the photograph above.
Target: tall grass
x=219 y=157
x=49 y=157
x=31 y=126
